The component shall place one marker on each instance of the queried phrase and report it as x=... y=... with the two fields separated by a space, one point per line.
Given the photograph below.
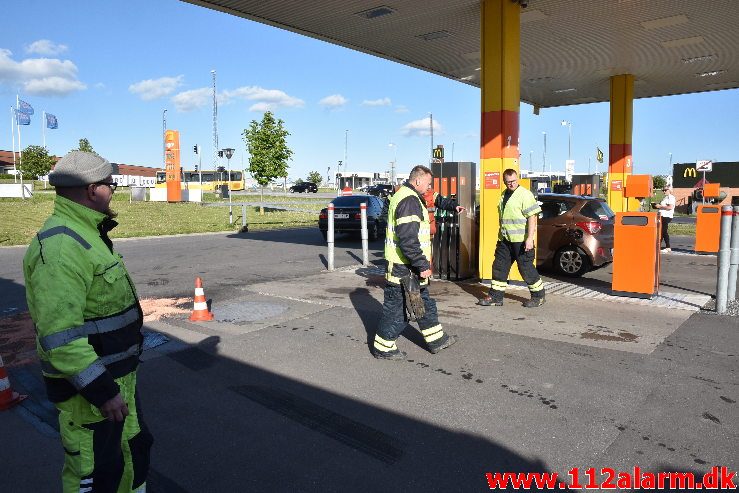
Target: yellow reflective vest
x=402 y=251
x=520 y=206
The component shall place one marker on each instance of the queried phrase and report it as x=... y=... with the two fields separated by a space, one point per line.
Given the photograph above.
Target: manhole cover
x=247 y=311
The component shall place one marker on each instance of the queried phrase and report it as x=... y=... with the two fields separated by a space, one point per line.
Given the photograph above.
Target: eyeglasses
x=112 y=185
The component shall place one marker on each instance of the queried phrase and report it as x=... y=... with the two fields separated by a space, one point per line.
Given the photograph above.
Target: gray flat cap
x=78 y=169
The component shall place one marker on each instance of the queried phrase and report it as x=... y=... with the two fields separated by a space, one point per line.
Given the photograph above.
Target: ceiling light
x=560 y=91
x=434 y=35
x=665 y=22
x=376 y=12
x=710 y=74
x=703 y=58
x=675 y=43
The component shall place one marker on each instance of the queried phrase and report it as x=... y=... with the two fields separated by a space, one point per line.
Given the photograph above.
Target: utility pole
x=544 y=159
x=346 y=146
x=164 y=140
x=431 y=132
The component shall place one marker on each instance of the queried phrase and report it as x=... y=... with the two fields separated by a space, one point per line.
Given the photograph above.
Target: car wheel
x=373 y=232
x=571 y=262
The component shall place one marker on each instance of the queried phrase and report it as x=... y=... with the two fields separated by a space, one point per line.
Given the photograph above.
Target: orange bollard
x=200 y=312
x=8 y=398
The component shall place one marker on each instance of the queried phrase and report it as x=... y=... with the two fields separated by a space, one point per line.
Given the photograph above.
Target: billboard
x=685 y=175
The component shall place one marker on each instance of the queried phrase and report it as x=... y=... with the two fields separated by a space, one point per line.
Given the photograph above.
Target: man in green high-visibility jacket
x=518 y=211
x=88 y=322
x=408 y=251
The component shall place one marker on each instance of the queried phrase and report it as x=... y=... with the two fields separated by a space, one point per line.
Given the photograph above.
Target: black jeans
x=393 y=319
x=665 y=235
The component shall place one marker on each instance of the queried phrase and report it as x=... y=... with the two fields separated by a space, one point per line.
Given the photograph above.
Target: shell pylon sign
x=172 y=165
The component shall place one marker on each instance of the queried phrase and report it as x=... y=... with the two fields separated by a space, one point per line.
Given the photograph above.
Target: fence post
x=734 y=260
x=330 y=237
x=722 y=283
x=365 y=253
x=244 y=228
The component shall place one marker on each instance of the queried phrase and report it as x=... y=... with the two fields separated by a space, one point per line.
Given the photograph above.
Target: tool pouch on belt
x=413 y=301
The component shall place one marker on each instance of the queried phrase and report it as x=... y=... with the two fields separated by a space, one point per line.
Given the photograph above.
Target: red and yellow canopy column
x=620 y=162
x=500 y=85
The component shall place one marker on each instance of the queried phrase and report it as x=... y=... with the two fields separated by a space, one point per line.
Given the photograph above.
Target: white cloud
x=334 y=101
x=151 y=89
x=264 y=99
x=420 y=128
x=193 y=99
x=40 y=76
x=377 y=102
x=46 y=48
x=401 y=109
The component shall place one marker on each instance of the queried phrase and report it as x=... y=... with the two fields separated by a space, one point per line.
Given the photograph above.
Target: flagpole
x=20 y=147
x=43 y=127
x=12 y=134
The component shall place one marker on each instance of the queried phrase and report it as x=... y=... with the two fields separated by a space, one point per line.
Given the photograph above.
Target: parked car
x=575 y=233
x=380 y=190
x=347 y=216
x=304 y=187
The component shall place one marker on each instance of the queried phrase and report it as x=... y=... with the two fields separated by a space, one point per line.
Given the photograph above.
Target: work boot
x=534 y=302
x=442 y=343
x=488 y=300
x=396 y=355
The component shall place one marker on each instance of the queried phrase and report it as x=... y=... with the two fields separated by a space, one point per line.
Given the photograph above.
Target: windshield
x=351 y=201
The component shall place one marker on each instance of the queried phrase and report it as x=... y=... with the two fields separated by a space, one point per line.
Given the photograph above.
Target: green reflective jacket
x=83 y=304
x=513 y=219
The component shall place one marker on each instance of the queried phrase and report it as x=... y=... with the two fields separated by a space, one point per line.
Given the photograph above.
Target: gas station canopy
x=569 y=48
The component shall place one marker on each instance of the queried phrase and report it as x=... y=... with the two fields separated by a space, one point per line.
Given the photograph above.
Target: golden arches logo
x=438 y=153
x=690 y=172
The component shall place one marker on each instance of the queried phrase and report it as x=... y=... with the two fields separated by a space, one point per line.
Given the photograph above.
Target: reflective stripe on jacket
x=513 y=219
x=83 y=304
x=408 y=238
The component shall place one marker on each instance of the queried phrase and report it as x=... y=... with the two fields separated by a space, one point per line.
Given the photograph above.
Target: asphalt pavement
x=280 y=393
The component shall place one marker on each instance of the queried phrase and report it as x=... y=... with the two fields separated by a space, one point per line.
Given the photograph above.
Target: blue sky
x=108 y=69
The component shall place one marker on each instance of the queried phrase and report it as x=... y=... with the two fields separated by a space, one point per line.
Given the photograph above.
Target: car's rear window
x=352 y=201
x=597 y=209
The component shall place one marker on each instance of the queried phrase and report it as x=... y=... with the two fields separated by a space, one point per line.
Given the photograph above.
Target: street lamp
x=228 y=152
x=544 y=160
x=164 y=138
x=569 y=138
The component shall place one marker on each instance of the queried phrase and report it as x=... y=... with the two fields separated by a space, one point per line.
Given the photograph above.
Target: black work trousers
x=506 y=253
x=665 y=234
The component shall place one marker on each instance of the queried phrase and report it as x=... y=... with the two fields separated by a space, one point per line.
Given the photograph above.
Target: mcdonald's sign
x=688 y=175
x=690 y=172
x=438 y=152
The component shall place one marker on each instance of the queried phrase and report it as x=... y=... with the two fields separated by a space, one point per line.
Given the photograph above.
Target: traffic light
x=196 y=167
x=195 y=148
x=220 y=153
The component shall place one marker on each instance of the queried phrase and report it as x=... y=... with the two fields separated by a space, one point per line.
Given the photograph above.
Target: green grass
x=21 y=219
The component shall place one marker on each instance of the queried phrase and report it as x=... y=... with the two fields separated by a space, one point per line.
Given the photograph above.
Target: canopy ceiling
x=569 y=48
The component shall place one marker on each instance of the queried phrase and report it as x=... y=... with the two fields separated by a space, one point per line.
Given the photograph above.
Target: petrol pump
x=636 y=243
x=708 y=221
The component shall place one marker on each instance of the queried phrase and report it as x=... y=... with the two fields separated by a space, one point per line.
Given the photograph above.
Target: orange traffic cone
x=8 y=398
x=200 y=312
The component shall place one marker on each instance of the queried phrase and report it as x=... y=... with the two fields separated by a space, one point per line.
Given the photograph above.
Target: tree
x=266 y=143
x=85 y=146
x=35 y=161
x=315 y=177
x=659 y=182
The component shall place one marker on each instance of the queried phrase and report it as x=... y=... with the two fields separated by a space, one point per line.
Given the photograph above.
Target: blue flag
x=24 y=107
x=22 y=118
x=51 y=121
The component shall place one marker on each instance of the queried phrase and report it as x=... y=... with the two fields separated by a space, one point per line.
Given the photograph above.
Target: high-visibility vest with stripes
x=393 y=254
x=82 y=301
x=520 y=206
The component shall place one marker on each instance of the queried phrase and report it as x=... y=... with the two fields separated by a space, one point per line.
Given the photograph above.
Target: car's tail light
x=592 y=227
x=358 y=215
x=323 y=215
